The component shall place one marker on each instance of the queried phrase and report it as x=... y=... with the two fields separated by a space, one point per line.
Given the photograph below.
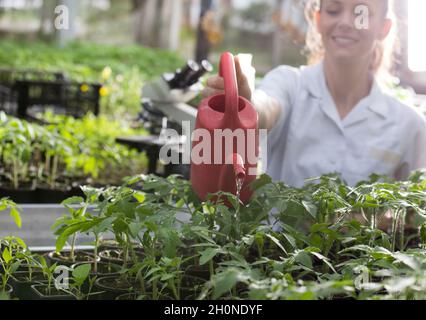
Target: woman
x=335 y=116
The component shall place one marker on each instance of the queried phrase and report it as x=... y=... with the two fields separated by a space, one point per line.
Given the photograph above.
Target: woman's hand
x=268 y=108
x=245 y=80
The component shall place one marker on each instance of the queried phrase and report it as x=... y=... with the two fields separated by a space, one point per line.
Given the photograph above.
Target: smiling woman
x=384 y=49
x=336 y=115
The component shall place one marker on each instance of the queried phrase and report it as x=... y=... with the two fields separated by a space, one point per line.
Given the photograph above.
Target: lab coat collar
x=313 y=77
x=310 y=79
x=378 y=100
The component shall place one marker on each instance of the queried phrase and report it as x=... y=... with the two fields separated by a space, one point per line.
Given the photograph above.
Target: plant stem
x=142 y=283
x=394 y=228
x=30 y=269
x=126 y=251
x=49 y=284
x=211 y=267
x=154 y=290
x=402 y=229
x=373 y=219
x=54 y=171
x=47 y=163
x=95 y=264
x=74 y=239
x=174 y=290
x=15 y=174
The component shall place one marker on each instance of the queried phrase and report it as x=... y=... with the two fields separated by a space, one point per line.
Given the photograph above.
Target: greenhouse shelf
x=37 y=220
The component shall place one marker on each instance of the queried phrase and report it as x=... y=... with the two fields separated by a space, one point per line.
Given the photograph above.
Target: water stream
x=239 y=182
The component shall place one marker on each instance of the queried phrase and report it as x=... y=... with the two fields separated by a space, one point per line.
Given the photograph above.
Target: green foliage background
x=130 y=67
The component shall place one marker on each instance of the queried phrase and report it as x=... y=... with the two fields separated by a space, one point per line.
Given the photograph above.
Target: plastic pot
x=104 y=268
x=63 y=257
x=114 y=286
x=41 y=293
x=8 y=291
x=116 y=256
x=22 y=285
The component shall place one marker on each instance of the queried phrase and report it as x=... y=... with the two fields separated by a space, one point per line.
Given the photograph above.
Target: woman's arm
x=268 y=109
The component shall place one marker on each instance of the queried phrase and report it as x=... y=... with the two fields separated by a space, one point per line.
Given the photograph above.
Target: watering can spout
x=233 y=172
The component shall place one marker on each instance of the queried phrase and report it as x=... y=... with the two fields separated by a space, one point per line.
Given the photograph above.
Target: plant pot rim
x=9 y=289
x=13 y=276
x=99 y=262
x=52 y=254
x=34 y=287
x=99 y=284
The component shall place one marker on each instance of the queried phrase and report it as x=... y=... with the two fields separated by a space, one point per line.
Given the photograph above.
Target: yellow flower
x=84 y=88
x=103 y=91
x=106 y=73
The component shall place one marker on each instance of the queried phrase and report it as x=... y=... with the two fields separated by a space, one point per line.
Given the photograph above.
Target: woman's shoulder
x=281 y=80
x=288 y=76
x=284 y=71
x=302 y=70
x=405 y=110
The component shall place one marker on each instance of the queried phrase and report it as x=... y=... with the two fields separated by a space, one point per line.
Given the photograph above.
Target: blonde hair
x=384 y=53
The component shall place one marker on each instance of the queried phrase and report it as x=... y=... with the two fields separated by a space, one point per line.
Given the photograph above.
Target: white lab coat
x=380 y=135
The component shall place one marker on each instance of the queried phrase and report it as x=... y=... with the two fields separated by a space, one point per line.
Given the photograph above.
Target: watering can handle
x=228 y=73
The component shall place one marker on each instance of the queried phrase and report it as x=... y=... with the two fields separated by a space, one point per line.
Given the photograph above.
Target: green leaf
x=311 y=208
x=20 y=242
x=152 y=271
x=60 y=242
x=15 y=266
x=208 y=254
x=81 y=273
x=290 y=239
x=166 y=277
x=171 y=241
x=304 y=258
x=135 y=228
x=324 y=259
x=69 y=230
x=260 y=182
x=319 y=227
x=407 y=260
x=7 y=257
x=72 y=201
x=276 y=241
x=16 y=216
x=224 y=282
x=180 y=203
x=140 y=196
x=105 y=224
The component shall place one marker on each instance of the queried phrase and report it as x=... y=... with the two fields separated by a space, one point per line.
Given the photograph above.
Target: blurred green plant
x=121 y=69
x=65 y=151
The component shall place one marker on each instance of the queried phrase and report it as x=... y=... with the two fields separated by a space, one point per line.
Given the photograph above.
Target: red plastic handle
x=228 y=73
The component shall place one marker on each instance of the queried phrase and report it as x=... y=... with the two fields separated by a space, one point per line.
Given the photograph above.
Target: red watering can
x=225 y=145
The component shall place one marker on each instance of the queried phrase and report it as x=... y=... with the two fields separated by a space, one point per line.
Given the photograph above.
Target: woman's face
x=350 y=29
